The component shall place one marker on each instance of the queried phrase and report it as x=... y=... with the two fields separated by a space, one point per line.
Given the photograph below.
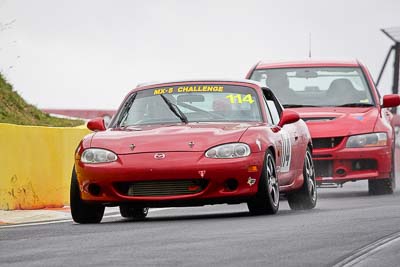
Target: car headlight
x=97 y=155
x=367 y=140
x=227 y=151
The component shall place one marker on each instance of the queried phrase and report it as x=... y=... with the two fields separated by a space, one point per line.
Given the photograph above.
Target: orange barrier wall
x=36 y=164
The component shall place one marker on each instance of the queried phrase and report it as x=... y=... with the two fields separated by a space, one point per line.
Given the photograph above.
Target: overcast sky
x=89 y=54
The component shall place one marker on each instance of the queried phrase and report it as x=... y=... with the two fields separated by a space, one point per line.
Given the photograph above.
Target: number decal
x=232 y=98
x=248 y=98
x=286 y=154
x=239 y=99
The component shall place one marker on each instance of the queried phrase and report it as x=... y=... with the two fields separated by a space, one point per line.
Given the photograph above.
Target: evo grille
x=161 y=188
x=329 y=142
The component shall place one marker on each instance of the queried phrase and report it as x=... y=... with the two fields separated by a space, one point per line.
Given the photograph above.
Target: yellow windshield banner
x=189 y=89
x=161 y=91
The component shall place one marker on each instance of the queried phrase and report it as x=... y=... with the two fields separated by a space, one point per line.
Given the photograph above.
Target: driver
x=278 y=82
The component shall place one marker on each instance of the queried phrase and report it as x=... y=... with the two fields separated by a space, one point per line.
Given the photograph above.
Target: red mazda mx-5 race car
x=349 y=122
x=194 y=143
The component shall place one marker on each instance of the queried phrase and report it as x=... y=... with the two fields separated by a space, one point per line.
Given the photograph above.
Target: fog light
x=341 y=172
x=94 y=189
x=231 y=184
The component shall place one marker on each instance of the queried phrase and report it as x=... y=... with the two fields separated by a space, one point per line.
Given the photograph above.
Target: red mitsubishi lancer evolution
x=194 y=143
x=349 y=122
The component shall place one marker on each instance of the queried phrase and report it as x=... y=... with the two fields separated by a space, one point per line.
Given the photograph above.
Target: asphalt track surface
x=348 y=228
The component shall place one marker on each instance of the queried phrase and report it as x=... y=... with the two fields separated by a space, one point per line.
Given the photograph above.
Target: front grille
x=323 y=168
x=329 y=142
x=161 y=188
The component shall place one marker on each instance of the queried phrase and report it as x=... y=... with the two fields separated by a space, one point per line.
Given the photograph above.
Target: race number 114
x=238 y=98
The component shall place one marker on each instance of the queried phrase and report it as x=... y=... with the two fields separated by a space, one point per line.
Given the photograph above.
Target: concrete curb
x=29 y=216
x=15 y=217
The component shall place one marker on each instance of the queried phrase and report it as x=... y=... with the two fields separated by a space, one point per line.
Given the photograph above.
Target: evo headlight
x=227 y=151
x=367 y=140
x=98 y=155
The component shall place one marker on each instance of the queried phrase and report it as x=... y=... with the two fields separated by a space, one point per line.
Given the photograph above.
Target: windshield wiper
x=296 y=106
x=356 y=105
x=125 y=109
x=175 y=109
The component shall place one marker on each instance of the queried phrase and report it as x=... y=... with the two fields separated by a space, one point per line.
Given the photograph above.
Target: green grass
x=14 y=109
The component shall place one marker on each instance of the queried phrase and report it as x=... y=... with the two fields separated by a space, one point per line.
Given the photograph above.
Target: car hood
x=168 y=138
x=335 y=121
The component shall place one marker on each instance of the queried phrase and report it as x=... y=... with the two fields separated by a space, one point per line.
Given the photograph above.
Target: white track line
x=35 y=223
x=66 y=220
x=360 y=254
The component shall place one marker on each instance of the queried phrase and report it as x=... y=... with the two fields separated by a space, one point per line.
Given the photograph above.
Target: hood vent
x=318 y=119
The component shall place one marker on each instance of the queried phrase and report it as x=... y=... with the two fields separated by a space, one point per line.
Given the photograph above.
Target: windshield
x=298 y=87
x=190 y=103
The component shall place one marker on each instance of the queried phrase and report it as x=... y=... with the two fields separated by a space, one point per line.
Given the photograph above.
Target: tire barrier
x=36 y=164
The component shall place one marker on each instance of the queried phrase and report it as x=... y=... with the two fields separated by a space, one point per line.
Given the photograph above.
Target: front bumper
x=341 y=164
x=175 y=168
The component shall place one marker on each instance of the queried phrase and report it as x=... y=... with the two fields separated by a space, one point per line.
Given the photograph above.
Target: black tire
x=266 y=201
x=306 y=197
x=380 y=187
x=384 y=186
x=81 y=211
x=393 y=169
x=133 y=213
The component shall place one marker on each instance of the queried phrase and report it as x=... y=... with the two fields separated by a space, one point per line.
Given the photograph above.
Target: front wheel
x=384 y=186
x=306 y=197
x=81 y=211
x=266 y=201
x=381 y=186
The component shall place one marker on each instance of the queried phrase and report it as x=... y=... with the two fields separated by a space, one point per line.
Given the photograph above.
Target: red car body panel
x=310 y=63
x=343 y=122
x=182 y=162
x=186 y=165
x=396 y=126
x=178 y=137
x=338 y=164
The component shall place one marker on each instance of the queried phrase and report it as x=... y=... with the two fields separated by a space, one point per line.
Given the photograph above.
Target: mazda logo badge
x=159 y=156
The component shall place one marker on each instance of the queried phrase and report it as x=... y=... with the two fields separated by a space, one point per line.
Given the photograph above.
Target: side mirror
x=390 y=101
x=287 y=117
x=96 y=124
